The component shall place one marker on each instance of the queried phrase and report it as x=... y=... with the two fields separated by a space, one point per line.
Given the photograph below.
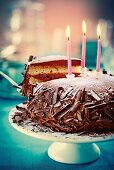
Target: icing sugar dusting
x=89 y=82
x=50 y=58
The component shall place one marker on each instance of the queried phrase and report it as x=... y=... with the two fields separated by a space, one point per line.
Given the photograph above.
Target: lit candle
x=83 y=44
x=69 y=50
x=98 y=48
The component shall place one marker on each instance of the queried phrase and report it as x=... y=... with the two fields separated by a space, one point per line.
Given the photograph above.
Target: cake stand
x=67 y=148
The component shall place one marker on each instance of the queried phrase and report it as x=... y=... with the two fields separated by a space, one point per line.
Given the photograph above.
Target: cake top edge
x=100 y=83
x=49 y=58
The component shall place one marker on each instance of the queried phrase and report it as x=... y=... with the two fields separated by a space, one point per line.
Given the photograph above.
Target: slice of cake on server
x=41 y=69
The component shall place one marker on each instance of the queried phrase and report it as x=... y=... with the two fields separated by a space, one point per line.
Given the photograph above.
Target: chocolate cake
x=46 y=68
x=72 y=105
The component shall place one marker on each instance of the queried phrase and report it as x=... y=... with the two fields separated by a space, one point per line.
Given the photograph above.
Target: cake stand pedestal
x=67 y=148
x=74 y=153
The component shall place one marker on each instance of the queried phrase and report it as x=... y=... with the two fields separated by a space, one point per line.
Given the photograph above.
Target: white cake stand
x=67 y=148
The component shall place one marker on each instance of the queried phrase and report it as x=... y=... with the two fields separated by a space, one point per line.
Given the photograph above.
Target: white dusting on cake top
x=89 y=82
x=50 y=58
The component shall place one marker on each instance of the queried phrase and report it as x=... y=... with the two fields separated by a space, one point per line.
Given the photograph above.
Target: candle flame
x=68 y=32
x=84 y=27
x=98 y=31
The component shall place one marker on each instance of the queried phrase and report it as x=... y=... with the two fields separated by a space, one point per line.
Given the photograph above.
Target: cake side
x=82 y=104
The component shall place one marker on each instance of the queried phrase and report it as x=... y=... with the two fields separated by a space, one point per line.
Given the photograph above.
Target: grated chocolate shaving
x=63 y=95
x=95 y=95
x=55 y=96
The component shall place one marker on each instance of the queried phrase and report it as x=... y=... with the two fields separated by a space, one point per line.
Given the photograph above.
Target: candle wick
x=99 y=37
x=84 y=34
x=68 y=38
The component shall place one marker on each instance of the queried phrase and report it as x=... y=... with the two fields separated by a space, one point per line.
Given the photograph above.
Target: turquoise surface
x=21 y=152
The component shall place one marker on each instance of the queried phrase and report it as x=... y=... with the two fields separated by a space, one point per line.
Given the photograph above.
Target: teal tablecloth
x=21 y=152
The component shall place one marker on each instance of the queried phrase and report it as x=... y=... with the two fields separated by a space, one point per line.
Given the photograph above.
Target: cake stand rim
x=58 y=136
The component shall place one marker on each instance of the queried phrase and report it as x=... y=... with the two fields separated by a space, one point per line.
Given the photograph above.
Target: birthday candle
x=98 y=49
x=83 y=44
x=69 y=50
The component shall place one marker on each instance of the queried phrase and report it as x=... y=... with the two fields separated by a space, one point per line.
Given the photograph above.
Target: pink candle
x=83 y=45
x=98 y=49
x=69 y=50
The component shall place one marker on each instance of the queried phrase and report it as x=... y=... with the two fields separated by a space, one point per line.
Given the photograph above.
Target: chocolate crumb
x=30 y=58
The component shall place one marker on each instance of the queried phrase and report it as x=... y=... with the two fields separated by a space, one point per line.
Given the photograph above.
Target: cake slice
x=46 y=68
